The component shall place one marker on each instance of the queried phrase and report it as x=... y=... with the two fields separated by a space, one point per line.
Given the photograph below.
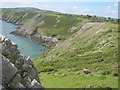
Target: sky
x=104 y=8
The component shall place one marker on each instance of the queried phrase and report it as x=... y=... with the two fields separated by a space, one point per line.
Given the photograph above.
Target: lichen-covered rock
x=9 y=49
x=29 y=61
x=17 y=71
x=9 y=70
x=16 y=80
x=19 y=85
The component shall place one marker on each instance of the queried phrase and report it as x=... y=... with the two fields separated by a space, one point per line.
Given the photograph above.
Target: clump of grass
x=8 y=56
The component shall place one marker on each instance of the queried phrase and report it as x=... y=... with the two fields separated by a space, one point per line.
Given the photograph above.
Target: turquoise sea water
x=25 y=45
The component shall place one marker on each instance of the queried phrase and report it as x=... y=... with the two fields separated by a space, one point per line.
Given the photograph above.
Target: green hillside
x=53 y=24
x=85 y=42
x=94 y=47
x=48 y=24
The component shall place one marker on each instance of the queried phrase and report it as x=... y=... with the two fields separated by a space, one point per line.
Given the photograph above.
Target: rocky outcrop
x=26 y=30
x=17 y=71
x=17 y=21
x=46 y=41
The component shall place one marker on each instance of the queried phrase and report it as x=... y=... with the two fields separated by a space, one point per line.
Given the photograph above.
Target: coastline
x=21 y=30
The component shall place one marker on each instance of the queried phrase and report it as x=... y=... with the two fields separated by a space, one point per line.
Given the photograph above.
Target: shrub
x=106 y=72
x=47 y=69
x=115 y=74
x=8 y=56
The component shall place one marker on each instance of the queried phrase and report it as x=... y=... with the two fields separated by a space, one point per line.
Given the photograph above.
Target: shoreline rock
x=46 y=41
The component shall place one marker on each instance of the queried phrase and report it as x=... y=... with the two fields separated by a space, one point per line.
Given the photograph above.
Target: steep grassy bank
x=51 y=25
x=94 y=46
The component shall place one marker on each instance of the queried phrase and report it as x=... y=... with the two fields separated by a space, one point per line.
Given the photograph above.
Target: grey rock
x=17 y=71
x=19 y=85
x=32 y=73
x=2 y=87
x=35 y=84
x=29 y=61
x=8 y=70
x=20 y=60
x=16 y=80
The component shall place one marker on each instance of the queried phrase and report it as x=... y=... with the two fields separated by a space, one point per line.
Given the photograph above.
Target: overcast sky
x=105 y=8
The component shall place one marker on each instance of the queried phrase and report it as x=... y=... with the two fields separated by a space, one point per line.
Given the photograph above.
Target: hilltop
x=30 y=9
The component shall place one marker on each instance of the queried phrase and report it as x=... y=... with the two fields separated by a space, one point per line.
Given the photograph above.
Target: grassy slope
x=55 y=25
x=17 y=14
x=93 y=47
x=61 y=28
x=97 y=52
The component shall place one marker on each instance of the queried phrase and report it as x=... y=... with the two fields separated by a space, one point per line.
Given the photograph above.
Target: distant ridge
x=31 y=9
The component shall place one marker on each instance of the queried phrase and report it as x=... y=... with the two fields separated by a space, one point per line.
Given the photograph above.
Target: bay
x=26 y=46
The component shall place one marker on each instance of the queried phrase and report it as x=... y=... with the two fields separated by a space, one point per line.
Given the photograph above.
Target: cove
x=26 y=46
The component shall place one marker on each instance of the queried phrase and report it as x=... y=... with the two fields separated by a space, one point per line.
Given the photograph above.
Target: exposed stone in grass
x=72 y=29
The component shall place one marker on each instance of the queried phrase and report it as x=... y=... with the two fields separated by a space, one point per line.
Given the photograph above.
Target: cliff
x=17 y=71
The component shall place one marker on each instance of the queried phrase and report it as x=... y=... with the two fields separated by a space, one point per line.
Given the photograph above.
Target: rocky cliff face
x=46 y=41
x=25 y=30
x=17 y=71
